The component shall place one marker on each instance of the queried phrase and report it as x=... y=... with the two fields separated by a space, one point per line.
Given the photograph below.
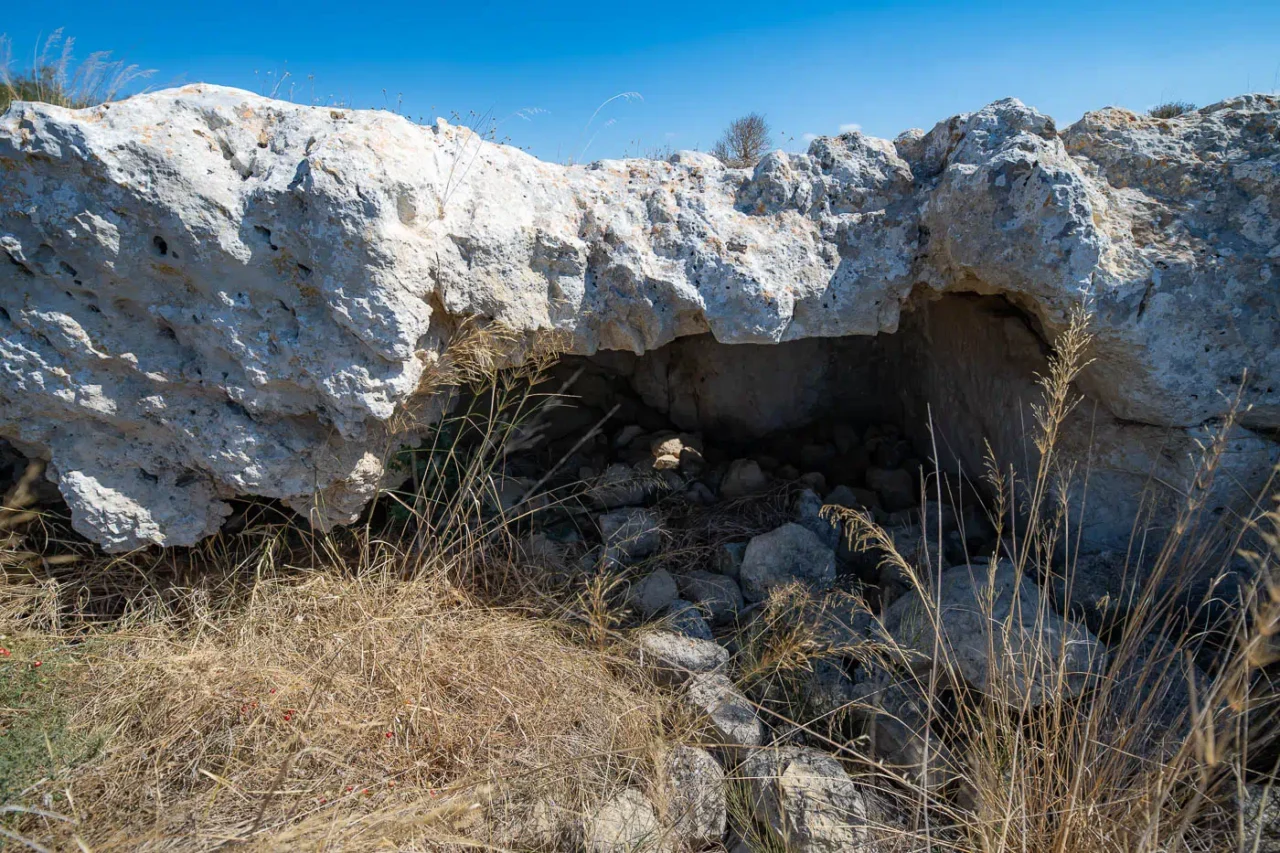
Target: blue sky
x=811 y=68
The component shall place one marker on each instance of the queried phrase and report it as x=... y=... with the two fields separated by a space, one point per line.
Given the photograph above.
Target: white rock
x=625 y=824
x=675 y=657
x=695 y=801
x=807 y=799
x=730 y=715
x=207 y=293
x=998 y=635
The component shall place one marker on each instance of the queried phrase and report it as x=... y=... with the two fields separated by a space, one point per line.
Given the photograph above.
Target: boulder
x=996 y=634
x=790 y=553
x=627 y=823
x=208 y=294
x=694 y=802
x=807 y=800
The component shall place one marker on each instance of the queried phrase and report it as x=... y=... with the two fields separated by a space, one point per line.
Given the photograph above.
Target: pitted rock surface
x=205 y=293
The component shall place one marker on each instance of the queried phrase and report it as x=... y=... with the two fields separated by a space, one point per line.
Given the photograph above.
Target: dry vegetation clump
x=344 y=712
x=1171 y=109
x=1153 y=755
x=54 y=77
x=744 y=142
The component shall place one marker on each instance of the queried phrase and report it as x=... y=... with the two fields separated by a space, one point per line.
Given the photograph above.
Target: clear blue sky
x=810 y=67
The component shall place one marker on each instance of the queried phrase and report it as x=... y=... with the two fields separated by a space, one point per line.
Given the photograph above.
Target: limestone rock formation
x=205 y=293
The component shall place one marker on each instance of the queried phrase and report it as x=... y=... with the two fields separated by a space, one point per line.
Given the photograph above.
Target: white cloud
x=851 y=127
x=808 y=137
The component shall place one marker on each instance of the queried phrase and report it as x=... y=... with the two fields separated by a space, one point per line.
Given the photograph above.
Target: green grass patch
x=37 y=678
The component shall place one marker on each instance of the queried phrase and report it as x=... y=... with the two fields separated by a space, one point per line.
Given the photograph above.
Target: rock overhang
x=208 y=293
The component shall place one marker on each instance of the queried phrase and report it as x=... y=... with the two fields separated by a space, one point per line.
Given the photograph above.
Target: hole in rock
x=855 y=421
x=161 y=247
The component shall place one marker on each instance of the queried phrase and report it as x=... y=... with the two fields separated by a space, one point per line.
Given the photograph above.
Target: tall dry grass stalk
x=396 y=683
x=54 y=77
x=1148 y=758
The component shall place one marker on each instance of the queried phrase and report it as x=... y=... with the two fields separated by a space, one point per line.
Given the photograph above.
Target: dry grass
x=54 y=77
x=411 y=683
x=342 y=712
x=1125 y=768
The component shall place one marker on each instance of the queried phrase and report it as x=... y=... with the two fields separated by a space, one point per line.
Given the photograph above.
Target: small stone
x=719 y=595
x=896 y=488
x=666 y=462
x=630 y=534
x=814 y=480
x=686 y=619
x=653 y=593
x=667 y=444
x=627 y=434
x=695 y=806
x=844 y=437
x=675 y=657
x=790 y=553
x=625 y=824
x=620 y=486
x=731 y=715
x=743 y=478
x=816 y=455
x=728 y=559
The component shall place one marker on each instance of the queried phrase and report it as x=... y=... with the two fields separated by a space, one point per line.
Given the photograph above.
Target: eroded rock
x=207 y=293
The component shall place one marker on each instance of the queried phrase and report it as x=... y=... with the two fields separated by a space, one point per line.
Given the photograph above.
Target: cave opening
x=864 y=415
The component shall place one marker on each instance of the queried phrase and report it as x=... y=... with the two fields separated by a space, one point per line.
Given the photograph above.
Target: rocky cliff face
x=205 y=293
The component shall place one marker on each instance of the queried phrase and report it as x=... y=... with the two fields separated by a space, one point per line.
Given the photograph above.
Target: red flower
x=35 y=663
x=391 y=734
x=4 y=653
x=350 y=788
